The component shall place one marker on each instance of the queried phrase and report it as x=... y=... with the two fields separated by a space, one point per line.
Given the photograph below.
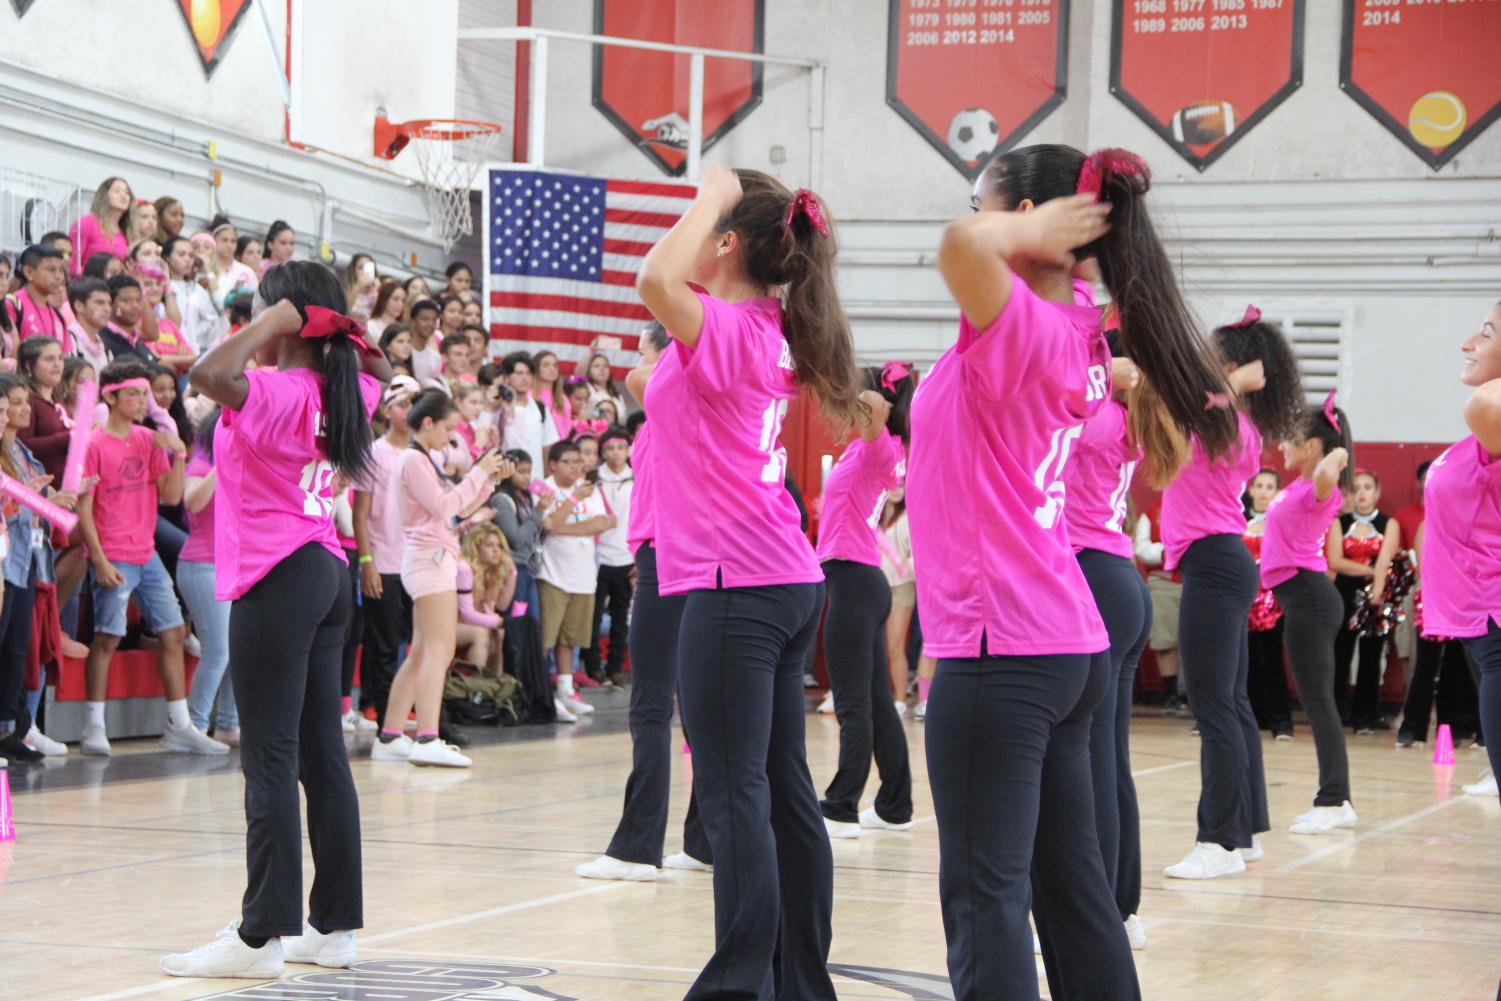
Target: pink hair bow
x=805 y=202
x=1217 y=401
x=325 y=323
x=893 y=372
x=1329 y=413
x=1253 y=315
x=1100 y=164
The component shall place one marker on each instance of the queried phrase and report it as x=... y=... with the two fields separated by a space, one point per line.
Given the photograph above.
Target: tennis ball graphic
x=1437 y=119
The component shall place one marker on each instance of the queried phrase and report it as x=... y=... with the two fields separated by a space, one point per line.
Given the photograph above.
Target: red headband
x=325 y=323
x=1102 y=163
x=805 y=202
x=1329 y=414
x=893 y=372
x=1253 y=315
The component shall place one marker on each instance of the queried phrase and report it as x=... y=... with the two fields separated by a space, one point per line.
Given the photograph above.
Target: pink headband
x=325 y=323
x=1102 y=163
x=805 y=203
x=893 y=372
x=1329 y=413
x=1253 y=315
x=137 y=383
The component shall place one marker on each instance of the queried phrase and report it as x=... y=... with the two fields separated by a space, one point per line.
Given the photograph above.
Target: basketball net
x=450 y=160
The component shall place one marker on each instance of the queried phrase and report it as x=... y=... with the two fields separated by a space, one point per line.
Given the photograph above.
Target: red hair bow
x=1253 y=315
x=805 y=202
x=1329 y=413
x=893 y=372
x=1102 y=163
x=325 y=323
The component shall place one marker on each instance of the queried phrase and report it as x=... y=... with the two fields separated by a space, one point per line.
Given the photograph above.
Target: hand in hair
x=1249 y=378
x=1124 y=375
x=662 y=282
x=873 y=417
x=220 y=373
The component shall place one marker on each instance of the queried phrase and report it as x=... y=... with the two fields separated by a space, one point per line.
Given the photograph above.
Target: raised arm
x=1483 y=416
x=662 y=282
x=220 y=373
x=1327 y=473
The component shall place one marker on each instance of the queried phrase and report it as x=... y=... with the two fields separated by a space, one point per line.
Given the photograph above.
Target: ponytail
x=786 y=241
x=1329 y=425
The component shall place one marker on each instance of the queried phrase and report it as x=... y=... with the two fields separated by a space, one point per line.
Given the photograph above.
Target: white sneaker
x=94 y=741
x=871 y=820
x=921 y=712
x=901 y=709
x=841 y=828
x=1207 y=861
x=227 y=956
x=1135 y=933
x=399 y=749
x=826 y=707
x=192 y=647
x=43 y=744
x=4 y=763
x=335 y=950
x=1485 y=787
x=1323 y=819
x=439 y=753
x=606 y=867
x=355 y=722
x=578 y=706
x=1254 y=853
x=561 y=708
x=190 y=740
x=686 y=862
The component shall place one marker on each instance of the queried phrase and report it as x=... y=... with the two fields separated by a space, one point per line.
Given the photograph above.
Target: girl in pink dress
x=761 y=321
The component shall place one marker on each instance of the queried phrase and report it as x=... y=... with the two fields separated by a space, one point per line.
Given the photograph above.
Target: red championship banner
x=1203 y=73
x=645 y=94
x=975 y=76
x=1425 y=69
x=212 y=24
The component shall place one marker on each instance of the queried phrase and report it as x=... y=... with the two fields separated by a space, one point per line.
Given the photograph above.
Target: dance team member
x=635 y=851
x=767 y=324
x=1023 y=660
x=1202 y=528
x=1293 y=565
x=1266 y=681
x=286 y=432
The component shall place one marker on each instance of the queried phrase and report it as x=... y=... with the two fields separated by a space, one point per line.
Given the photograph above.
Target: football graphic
x=1203 y=122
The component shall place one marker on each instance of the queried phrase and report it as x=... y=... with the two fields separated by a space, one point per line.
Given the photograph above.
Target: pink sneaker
x=582 y=680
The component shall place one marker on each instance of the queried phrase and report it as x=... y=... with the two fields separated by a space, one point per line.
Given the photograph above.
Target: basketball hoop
x=450 y=152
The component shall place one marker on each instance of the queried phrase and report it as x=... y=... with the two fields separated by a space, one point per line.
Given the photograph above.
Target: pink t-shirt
x=1205 y=498
x=429 y=504
x=1098 y=478
x=125 y=496
x=1297 y=523
x=993 y=426
x=387 y=534
x=720 y=468
x=275 y=480
x=641 y=520
x=37 y=320
x=88 y=239
x=854 y=496
x=200 y=545
x=1462 y=542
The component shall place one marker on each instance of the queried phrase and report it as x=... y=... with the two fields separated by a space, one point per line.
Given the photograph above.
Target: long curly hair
x=1279 y=409
x=487 y=580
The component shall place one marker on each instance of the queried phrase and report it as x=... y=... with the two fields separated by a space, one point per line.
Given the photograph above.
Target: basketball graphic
x=205 y=21
x=1203 y=122
x=973 y=134
x=1437 y=119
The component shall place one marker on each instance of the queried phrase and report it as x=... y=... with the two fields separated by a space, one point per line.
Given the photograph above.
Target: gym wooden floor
x=467 y=873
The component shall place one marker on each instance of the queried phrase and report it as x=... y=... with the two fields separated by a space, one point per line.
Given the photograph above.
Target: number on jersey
x=771 y=432
x=317 y=489
x=1049 y=475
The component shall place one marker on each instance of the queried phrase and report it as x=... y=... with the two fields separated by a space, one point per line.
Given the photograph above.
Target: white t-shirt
x=568 y=560
x=616 y=493
x=532 y=432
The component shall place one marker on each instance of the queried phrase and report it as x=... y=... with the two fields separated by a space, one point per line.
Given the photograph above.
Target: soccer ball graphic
x=973 y=134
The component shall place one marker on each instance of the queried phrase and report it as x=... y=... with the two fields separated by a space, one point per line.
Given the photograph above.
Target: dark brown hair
x=1277 y=409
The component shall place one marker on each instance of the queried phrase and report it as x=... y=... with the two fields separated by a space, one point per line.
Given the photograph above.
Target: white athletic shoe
x=606 y=867
x=1323 y=819
x=336 y=950
x=1135 y=933
x=192 y=647
x=578 y=706
x=1207 y=861
x=4 y=763
x=355 y=722
x=43 y=744
x=826 y=707
x=190 y=740
x=227 y=956
x=686 y=862
x=1485 y=787
x=841 y=828
x=1254 y=853
x=438 y=753
x=399 y=749
x=901 y=709
x=871 y=821
x=561 y=707
x=921 y=712
x=94 y=741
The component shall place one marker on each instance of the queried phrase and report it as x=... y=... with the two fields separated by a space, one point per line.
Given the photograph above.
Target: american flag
x=561 y=256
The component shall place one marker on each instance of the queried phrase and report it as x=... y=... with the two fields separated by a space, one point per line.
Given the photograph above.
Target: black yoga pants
x=1485 y=656
x=1312 y=609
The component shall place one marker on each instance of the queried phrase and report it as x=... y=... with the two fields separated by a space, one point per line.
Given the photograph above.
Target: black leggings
x=16 y=614
x=286 y=638
x=741 y=653
x=1008 y=762
x=654 y=681
x=1312 y=609
x=612 y=594
x=1485 y=661
x=356 y=631
x=1456 y=691
x=854 y=645
x=1122 y=598
x=1219 y=584
x=387 y=624
x=1266 y=684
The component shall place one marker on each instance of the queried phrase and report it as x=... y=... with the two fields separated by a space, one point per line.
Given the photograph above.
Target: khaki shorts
x=1166 y=596
x=567 y=619
x=904 y=595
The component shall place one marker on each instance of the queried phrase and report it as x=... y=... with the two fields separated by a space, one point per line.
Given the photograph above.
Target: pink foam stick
x=27 y=497
x=78 y=438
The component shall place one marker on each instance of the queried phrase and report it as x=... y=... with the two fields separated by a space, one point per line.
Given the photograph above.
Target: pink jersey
x=275 y=480
x=641 y=520
x=1462 y=543
x=720 y=467
x=126 y=495
x=200 y=545
x=1297 y=523
x=1205 y=498
x=854 y=496
x=993 y=426
x=1098 y=478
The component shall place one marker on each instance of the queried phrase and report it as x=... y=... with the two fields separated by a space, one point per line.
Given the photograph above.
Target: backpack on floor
x=478 y=699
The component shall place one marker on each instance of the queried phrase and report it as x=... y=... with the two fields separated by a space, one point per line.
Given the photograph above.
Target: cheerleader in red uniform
x=1266 y=684
x=1361 y=547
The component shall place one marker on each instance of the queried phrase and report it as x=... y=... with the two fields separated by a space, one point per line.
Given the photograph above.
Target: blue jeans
x=526 y=592
x=149 y=584
x=211 y=622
